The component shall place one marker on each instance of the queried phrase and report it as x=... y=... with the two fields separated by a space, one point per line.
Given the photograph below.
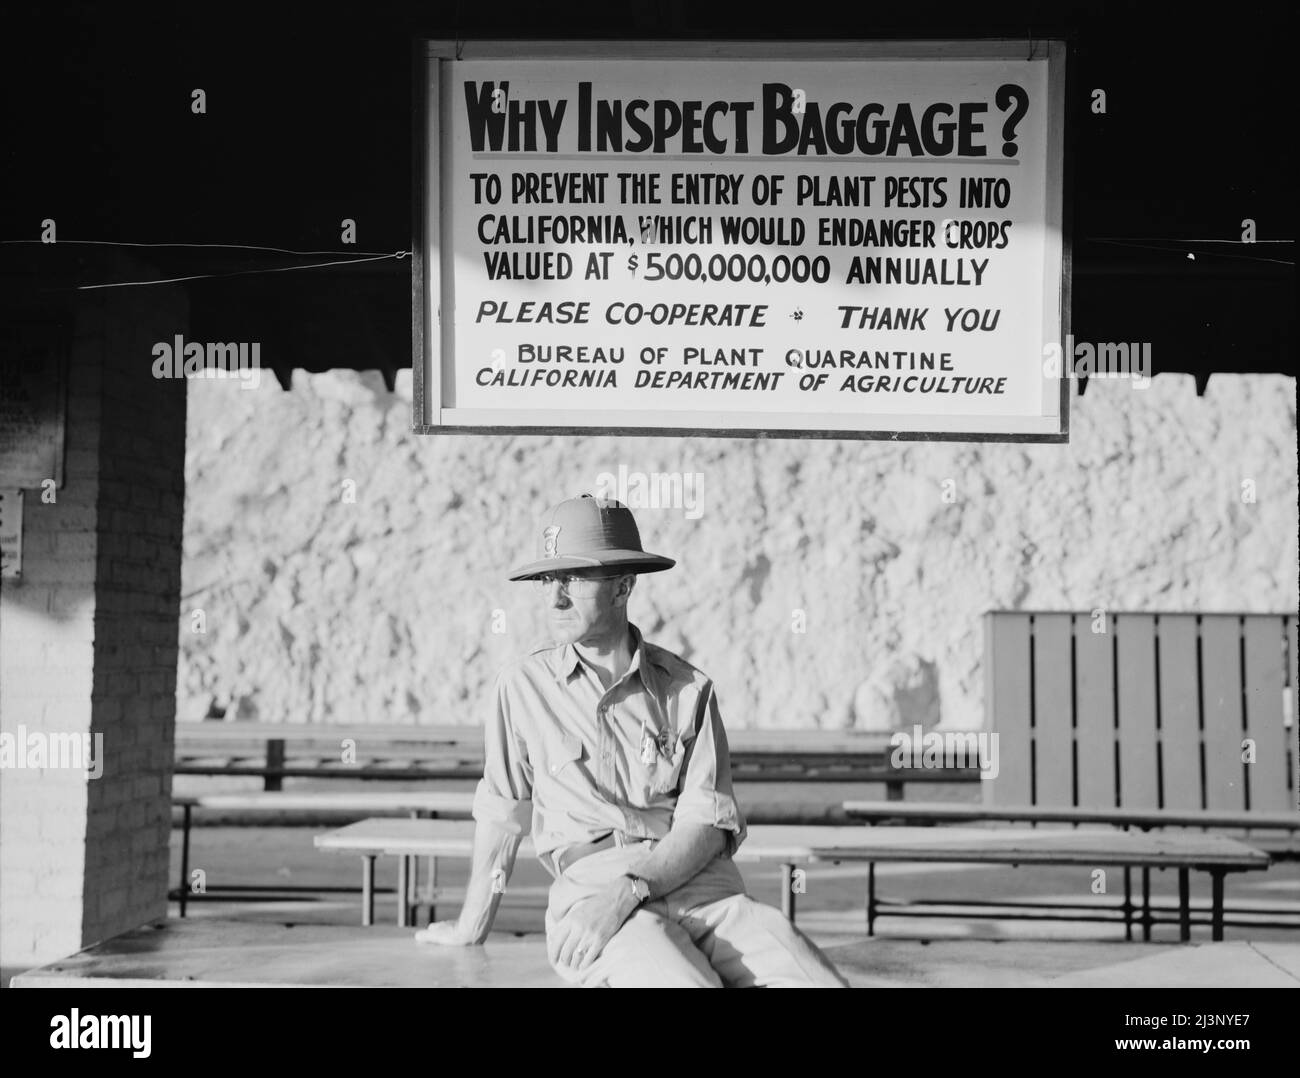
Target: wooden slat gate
x=1143 y=711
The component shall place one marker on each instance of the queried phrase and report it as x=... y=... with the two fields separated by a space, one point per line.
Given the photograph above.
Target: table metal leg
x=871 y=898
x=416 y=904
x=429 y=893
x=1146 y=904
x=433 y=889
x=274 y=765
x=1184 y=906
x=787 y=891
x=1128 y=904
x=403 y=897
x=185 y=857
x=367 y=890
x=1216 y=916
x=415 y=889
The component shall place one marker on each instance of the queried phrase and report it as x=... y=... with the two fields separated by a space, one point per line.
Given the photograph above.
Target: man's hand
x=581 y=936
x=446 y=933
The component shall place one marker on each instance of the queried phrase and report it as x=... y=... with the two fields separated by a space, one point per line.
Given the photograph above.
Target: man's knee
x=755 y=943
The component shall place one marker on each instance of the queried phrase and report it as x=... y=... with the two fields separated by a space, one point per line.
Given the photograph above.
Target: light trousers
x=706 y=934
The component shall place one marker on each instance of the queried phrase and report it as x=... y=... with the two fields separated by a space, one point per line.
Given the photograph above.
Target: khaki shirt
x=573 y=762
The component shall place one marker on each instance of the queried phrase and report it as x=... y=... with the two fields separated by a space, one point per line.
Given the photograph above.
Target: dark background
x=309 y=114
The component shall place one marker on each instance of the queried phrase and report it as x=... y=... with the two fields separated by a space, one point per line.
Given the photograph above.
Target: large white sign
x=737 y=245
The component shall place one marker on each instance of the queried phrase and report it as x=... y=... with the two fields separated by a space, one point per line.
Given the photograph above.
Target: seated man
x=612 y=751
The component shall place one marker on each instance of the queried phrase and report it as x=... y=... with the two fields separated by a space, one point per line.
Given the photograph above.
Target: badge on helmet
x=550 y=538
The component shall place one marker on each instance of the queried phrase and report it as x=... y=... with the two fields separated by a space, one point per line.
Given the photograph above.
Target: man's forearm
x=490 y=869
x=682 y=854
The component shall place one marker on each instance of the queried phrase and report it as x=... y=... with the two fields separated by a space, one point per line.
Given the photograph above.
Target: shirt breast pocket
x=666 y=773
x=562 y=752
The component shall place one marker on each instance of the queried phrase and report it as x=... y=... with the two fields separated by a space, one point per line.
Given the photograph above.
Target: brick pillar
x=88 y=643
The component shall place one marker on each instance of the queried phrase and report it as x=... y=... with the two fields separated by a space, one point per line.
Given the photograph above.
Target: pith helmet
x=587 y=533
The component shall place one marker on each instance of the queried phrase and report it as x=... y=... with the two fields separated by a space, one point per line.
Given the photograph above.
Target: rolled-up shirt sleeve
x=503 y=797
x=705 y=795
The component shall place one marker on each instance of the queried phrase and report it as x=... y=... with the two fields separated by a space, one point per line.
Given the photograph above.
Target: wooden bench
x=408 y=840
x=791 y=846
x=362 y=803
x=322 y=806
x=1151 y=712
x=1277 y=834
x=276 y=751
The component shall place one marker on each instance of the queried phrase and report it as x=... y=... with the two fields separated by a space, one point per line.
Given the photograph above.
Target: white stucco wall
x=383 y=609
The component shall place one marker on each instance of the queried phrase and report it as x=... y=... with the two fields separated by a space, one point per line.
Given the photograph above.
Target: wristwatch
x=640 y=889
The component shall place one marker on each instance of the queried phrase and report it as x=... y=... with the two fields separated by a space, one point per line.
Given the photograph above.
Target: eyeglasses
x=571 y=583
